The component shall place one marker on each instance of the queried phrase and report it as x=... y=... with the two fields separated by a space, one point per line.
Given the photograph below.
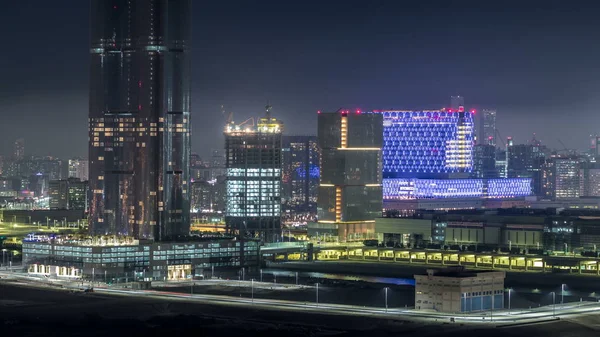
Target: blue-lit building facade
x=429 y=154
x=413 y=188
x=300 y=175
x=427 y=143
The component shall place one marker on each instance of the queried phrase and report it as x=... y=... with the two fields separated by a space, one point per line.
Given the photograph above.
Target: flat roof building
x=456 y=290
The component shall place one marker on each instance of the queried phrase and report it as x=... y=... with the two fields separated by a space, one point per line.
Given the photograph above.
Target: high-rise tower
x=139 y=118
x=253 y=164
x=350 y=190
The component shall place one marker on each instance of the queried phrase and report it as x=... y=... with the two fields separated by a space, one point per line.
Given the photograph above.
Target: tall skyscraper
x=78 y=168
x=350 y=191
x=19 y=149
x=487 y=127
x=139 y=118
x=253 y=164
x=300 y=173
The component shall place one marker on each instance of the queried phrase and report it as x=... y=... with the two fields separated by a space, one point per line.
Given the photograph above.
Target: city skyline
x=520 y=64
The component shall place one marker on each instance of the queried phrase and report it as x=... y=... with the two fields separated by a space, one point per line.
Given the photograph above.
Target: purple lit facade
x=427 y=143
x=411 y=188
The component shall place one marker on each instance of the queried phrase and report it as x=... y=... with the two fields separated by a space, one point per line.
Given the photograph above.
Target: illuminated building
x=350 y=191
x=562 y=177
x=300 y=173
x=487 y=127
x=253 y=163
x=139 y=118
x=527 y=161
x=77 y=194
x=78 y=168
x=19 y=150
x=122 y=259
x=59 y=194
x=68 y=194
x=427 y=144
x=412 y=188
x=589 y=179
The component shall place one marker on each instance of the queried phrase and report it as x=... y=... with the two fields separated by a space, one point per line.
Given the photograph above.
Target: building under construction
x=253 y=162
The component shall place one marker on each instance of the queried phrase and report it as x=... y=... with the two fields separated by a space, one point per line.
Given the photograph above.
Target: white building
x=455 y=290
x=79 y=168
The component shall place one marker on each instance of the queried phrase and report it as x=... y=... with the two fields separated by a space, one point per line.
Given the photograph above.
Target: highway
x=501 y=317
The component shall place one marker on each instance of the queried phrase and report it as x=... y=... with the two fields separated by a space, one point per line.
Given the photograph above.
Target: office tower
x=484 y=162
x=78 y=168
x=457 y=102
x=526 y=161
x=59 y=194
x=562 y=177
x=19 y=149
x=139 y=118
x=487 y=127
x=501 y=163
x=350 y=191
x=300 y=173
x=427 y=144
x=77 y=194
x=589 y=179
x=253 y=164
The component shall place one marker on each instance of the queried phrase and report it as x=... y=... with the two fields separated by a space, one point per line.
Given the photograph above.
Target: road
x=502 y=317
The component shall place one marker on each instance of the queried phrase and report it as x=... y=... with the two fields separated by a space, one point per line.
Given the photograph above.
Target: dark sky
x=537 y=62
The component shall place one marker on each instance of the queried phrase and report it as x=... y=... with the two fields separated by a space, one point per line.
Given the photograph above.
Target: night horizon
x=525 y=61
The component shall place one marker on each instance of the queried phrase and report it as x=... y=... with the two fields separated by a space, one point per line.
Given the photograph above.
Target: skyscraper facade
x=139 y=118
x=253 y=166
x=78 y=168
x=427 y=143
x=350 y=191
x=487 y=127
x=300 y=173
x=527 y=161
x=562 y=177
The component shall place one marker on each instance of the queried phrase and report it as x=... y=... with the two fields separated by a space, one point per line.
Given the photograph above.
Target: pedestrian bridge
x=281 y=252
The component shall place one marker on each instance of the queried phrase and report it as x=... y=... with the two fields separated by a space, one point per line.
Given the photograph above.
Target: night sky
x=536 y=62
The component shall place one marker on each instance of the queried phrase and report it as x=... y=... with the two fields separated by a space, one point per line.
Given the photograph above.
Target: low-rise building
x=120 y=258
x=455 y=290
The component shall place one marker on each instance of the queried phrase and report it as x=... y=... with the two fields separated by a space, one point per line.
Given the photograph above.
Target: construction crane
x=229 y=119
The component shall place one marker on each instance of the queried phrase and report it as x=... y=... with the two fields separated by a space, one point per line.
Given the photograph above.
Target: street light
x=553 y=304
x=386 y=304
x=509 y=290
